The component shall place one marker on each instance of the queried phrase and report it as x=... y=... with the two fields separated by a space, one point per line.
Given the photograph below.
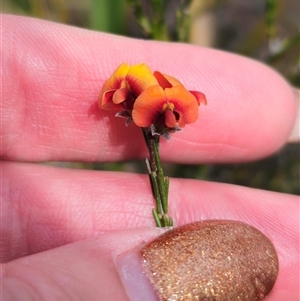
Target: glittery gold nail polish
x=211 y=260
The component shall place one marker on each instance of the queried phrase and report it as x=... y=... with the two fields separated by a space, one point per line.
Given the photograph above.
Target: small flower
x=155 y=100
x=125 y=85
x=167 y=105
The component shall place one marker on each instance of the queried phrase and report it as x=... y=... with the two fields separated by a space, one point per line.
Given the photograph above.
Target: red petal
x=200 y=97
x=166 y=81
x=162 y=81
x=106 y=101
x=173 y=81
x=120 y=95
x=170 y=119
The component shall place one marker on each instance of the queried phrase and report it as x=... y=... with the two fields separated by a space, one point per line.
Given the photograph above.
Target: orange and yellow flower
x=125 y=84
x=150 y=98
x=169 y=101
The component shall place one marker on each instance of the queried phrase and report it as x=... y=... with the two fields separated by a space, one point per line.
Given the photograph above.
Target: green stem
x=159 y=183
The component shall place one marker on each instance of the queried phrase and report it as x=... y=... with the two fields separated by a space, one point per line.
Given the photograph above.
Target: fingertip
x=250 y=110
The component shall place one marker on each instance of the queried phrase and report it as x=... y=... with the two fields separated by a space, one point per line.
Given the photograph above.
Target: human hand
x=83 y=219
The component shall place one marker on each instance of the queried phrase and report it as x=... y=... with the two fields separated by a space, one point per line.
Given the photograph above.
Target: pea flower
x=125 y=85
x=167 y=105
x=150 y=99
x=160 y=105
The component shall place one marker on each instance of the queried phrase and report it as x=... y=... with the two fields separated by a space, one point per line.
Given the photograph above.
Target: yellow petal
x=140 y=78
x=116 y=79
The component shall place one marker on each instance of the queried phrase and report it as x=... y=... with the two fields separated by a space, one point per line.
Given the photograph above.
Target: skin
x=63 y=228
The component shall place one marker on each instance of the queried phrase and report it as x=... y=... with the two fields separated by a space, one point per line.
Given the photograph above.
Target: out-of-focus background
x=267 y=30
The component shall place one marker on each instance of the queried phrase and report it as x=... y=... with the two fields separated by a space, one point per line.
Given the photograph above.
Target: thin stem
x=156 y=218
x=161 y=179
x=159 y=183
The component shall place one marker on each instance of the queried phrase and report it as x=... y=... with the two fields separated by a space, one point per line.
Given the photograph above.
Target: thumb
x=83 y=270
x=186 y=262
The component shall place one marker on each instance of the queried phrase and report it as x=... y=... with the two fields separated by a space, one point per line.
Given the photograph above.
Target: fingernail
x=209 y=260
x=136 y=283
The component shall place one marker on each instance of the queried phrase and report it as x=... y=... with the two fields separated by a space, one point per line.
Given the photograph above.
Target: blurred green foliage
x=265 y=30
x=162 y=20
x=108 y=16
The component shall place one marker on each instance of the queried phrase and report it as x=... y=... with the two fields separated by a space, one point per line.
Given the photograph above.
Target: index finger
x=53 y=75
